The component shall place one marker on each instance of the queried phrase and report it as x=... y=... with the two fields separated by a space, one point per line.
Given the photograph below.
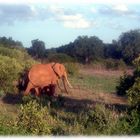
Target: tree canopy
x=84 y=49
x=37 y=49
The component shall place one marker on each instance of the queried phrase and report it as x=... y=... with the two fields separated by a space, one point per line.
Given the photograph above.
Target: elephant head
x=60 y=71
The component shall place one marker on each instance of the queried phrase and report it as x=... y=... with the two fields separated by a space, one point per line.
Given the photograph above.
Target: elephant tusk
x=65 y=86
x=68 y=83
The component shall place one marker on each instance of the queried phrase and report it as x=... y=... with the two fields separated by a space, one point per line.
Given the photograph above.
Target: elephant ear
x=57 y=69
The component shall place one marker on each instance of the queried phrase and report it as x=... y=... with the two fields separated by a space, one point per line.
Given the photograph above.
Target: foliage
x=72 y=68
x=9 y=72
x=133 y=93
x=10 y=43
x=34 y=119
x=59 y=57
x=130 y=85
x=104 y=121
x=99 y=120
x=114 y=64
x=14 y=53
x=125 y=82
x=129 y=45
x=84 y=49
x=37 y=50
x=12 y=62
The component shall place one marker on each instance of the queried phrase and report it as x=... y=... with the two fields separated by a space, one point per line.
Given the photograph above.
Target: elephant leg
x=29 y=87
x=37 y=91
x=52 y=89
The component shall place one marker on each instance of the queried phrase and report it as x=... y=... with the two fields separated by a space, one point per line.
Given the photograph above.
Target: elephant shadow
x=69 y=104
x=64 y=103
x=11 y=98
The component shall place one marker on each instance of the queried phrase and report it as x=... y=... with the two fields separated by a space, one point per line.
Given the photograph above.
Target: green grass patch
x=97 y=84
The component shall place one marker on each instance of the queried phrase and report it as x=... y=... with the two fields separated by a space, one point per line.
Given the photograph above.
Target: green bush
x=130 y=84
x=14 y=53
x=126 y=81
x=59 y=57
x=34 y=119
x=110 y=63
x=9 y=72
x=99 y=121
x=127 y=124
x=134 y=93
x=114 y=64
x=104 y=121
x=12 y=62
x=72 y=68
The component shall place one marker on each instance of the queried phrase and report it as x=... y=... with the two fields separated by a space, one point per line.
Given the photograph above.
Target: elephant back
x=41 y=75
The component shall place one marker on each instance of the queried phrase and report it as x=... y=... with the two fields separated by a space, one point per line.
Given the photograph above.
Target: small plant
x=34 y=119
x=99 y=120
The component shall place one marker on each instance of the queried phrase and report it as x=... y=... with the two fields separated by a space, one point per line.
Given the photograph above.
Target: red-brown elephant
x=45 y=75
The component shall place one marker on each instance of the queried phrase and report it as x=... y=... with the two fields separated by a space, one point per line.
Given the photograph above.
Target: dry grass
x=95 y=86
x=104 y=72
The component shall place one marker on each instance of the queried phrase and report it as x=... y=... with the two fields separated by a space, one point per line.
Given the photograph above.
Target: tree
x=84 y=49
x=10 y=43
x=129 y=45
x=37 y=49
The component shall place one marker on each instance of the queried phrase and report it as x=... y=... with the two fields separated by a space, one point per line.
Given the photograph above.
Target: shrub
x=134 y=93
x=34 y=119
x=9 y=72
x=108 y=64
x=72 y=68
x=12 y=62
x=14 y=53
x=130 y=85
x=127 y=124
x=99 y=120
x=59 y=57
x=126 y=81
x=114 y=64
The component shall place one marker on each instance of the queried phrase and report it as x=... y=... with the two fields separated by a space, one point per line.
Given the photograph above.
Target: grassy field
x=95 y=83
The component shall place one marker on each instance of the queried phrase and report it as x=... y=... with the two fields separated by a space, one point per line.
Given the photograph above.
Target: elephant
x=46 y=75
x=22 y=83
